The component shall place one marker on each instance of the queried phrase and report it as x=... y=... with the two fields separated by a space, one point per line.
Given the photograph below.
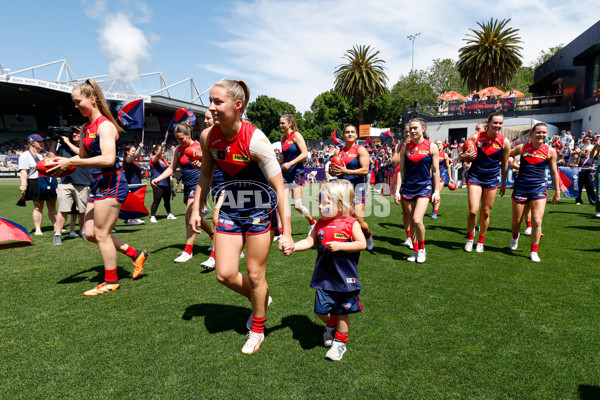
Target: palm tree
x=492 y=55
x=362 y=76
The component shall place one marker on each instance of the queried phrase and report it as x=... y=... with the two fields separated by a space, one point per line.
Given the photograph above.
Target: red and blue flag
x=385 y=136
x=12 y=232
x=133 y=207
x=369 y=141
x=182 y=115
x=335 y=136
x=131 y=115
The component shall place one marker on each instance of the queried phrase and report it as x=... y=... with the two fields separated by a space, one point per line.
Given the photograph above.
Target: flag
x=569 y=180
x=336 y=139
x=182 y=115
x=385 y=136
x=369 y=141
x=131 y=115
x=133 y=206
x=13 y=232
x=21 y=202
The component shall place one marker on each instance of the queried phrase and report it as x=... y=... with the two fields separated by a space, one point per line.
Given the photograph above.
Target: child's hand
x=334 y=246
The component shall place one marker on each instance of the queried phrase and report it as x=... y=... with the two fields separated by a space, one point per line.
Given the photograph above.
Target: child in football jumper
x=335 y=278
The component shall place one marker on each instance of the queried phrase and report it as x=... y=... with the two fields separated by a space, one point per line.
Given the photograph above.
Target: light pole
x=412 y=38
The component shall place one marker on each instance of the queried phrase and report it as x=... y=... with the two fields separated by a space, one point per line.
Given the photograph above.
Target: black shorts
x=33 y=192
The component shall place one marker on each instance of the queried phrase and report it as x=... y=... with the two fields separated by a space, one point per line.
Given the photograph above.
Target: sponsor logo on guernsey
x=218 y=154
x=340 y=236
x=91 y=135
x=496 y=146
x=423 y=151
x=349 y=280
x=240 y=157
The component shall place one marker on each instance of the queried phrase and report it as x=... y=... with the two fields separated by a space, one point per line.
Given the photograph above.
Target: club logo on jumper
x=321 y=234
x=410 y=152
x=347 y=306
x=350 y=280
x=218 y=154
x=340 y=236
x=247 y=200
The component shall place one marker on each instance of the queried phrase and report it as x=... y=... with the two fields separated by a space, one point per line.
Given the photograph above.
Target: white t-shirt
x=27 y=162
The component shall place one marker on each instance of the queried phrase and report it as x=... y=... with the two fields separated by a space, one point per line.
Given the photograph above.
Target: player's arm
x=204 y=180
x=307 y=243
x=400 y=175
x=359 y=242
x=469 y=156
x=516 y=151
x=505 y=156
x=168 y=171
x=396 y=155
x=435 y=172
x=299 y=140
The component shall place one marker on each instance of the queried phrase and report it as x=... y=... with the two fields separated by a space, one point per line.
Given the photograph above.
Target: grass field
x=462 y=325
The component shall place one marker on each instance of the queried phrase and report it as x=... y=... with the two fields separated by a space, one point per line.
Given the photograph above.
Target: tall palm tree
x=492 y=55
x=362 y=76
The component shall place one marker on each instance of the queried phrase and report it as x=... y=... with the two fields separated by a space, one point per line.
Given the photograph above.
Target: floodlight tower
x=412 y=38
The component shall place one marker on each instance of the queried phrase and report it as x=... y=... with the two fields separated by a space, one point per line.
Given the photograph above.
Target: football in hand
x=194 y=153
x=468 y=147
x=337 y=160
x=50 y=162
x=452 y=185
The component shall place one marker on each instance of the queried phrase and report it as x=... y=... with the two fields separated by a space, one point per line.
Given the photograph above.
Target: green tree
x=329 y=111
x=522 y=80
x=265 y=112
x=545 y=55
x=363 y=76
x=414 y=86
x=492 y=55
x=443 y=77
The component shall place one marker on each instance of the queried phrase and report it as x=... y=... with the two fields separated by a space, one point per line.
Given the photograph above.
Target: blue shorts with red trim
x=294 y=180
x=337 y=303
x=523 y=197
x=412 y=196
x=189 y=192
x=256 y=224
x=489 y=184
x=109 y=186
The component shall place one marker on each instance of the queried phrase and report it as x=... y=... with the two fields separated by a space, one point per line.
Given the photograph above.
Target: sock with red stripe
x=481 y=239
x=416 y=246
x=435 y=212
x=188 y=248
x=471 y=235
x=281 y=231
x=516 y=235
x=332 y=322
x=368 y=235
x=258 y=324
x=342 y=337
x=408 y=233
x=110 y=276
x=212 y=253
x=312 y=221
x=534 y=248
x=528 y=224
x=422 y=245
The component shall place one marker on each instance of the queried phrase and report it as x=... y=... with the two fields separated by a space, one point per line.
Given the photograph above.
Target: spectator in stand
x=38 y=189
x=564 y=156
x=596 y=154
x=566 y=139
x=585 y=162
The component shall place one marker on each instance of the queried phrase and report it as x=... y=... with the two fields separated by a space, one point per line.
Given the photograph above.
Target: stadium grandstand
x=36 y=98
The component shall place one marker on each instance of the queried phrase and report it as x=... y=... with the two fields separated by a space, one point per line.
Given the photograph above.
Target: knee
x=256 y=278
x=225 y=276
x=485 y=213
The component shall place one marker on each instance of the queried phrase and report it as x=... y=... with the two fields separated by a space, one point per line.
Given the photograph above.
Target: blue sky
x=284 y=49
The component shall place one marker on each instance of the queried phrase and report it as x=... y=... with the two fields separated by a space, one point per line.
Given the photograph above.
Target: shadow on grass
x=592 y=228
x=84 y=276
x=219 y=317
x=308 y=334
x=588 y=392
x=14 y=245
x=197 y=250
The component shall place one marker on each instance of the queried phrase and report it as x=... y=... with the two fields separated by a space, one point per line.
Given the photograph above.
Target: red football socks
x=131 y=252
x=188 y=248
x=534 y=248
x=342 y=337
x=332 y=322
x=471 y=235
x=516 y=235
x=258 y=324
x=110 y=275
x=481 y=239
x=528 y=224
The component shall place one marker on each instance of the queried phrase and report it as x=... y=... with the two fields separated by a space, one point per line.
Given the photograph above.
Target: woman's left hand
x=286 y=245
x=62 y=164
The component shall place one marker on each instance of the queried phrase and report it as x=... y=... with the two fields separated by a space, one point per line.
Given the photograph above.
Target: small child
x=335 y=277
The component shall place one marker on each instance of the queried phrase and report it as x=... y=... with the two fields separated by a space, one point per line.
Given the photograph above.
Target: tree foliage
x=414 y=86
x=361 y=77
x=492 y=55
x=265 y=112
x=545 y=55
x=329 y=111
x=443 y=77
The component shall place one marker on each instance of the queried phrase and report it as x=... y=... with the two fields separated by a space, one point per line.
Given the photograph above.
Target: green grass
x=462 y=325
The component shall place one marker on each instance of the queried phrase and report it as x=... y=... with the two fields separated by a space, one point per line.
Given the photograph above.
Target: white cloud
x=289 y=49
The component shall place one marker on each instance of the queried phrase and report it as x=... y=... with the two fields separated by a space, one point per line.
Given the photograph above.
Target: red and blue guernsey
x=189 y=174
x=246 y=190
x=532 y=180
x=335 y=271
x=442 y=160
x=417 y=180
x=290 y=151
x=352 y=161
x=485 y=170
x=91 y=142
x=157 y=169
